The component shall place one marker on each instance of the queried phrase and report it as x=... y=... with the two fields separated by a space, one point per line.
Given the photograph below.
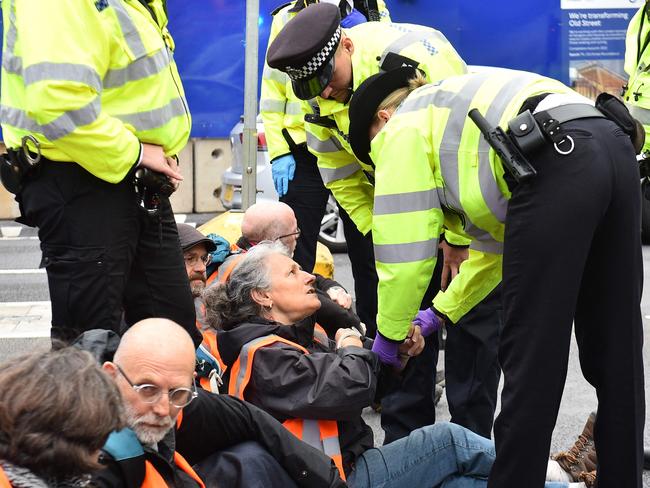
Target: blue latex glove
x=283 y=170
x=428 y=321
x=353 y=18
x=387 y=351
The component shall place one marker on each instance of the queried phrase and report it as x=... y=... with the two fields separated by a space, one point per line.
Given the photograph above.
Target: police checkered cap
x=318 y=61
x=306 y=44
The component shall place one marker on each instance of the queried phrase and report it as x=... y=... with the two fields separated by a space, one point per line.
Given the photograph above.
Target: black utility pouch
x=526 y=133
x=616 y=111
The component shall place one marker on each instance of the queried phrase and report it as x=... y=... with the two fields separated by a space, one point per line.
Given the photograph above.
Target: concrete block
x=182 y=200
x=211 y=158
x=8 y=206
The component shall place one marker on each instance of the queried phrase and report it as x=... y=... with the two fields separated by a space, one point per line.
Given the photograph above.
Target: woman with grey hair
x=318 y=388
x=57 y=409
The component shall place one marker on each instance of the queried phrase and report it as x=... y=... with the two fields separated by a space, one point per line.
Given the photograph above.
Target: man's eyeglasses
x=296 y=233
x=178 y=397
x=193 y=259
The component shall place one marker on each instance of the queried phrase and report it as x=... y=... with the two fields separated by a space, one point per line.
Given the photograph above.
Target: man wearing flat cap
x=327 y=63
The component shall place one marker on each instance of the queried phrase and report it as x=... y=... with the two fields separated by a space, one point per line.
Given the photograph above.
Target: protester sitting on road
x=318 y=389
x=167 y=416
x=56 y=410
x=276 y=221
x=197 y=249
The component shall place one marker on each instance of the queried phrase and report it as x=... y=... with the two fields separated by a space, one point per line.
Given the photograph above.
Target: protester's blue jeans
x=440 y=455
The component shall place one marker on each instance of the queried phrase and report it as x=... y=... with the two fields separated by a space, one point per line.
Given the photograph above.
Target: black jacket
x=325 y=384
x=215 y=422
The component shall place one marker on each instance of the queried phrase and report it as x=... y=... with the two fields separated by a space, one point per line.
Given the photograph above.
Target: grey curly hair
x=230 y=304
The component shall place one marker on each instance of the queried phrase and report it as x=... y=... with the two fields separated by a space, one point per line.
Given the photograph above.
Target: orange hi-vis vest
x=152 y=478
x=320 y=434
x=209 y=346
x=4 y=481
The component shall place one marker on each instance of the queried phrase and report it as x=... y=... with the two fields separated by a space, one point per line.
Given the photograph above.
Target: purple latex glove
x=353 y=18
x=428 y=321
x=387 y=351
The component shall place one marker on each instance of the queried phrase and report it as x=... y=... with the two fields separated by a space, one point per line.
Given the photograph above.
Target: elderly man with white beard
x=177 y=434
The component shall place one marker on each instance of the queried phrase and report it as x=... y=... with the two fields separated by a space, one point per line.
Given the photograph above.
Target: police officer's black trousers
x=572 y=250
x=307 y=197
x=104 y=255
x=472 y=369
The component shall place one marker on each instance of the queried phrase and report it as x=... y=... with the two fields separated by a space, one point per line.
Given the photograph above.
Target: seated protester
x=197 y=250
x=56 y=410
x=318 y=390
x=276 y=221
x=172 y=426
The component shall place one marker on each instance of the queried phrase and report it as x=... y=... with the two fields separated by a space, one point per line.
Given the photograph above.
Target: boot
x=581 y=458
x=589 y=478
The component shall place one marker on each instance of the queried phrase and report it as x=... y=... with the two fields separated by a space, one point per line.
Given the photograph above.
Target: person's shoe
x=589 y=478
x=581 y=458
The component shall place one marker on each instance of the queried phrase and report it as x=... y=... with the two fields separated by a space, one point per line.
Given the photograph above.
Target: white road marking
x=22 y=271
x=10 y=230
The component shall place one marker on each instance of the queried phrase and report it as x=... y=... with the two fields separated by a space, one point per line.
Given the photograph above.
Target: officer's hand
x=453 y=257
x=283 y=169
x=173 y=164
x=414 y=343
x=340 y=296
x=154 y=158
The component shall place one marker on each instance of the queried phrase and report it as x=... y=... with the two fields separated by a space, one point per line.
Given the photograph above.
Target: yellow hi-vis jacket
x=318 y=433
x=434 y=168
x=342 y=173
x=91 y=80
x=637 y=65
x=279 y=107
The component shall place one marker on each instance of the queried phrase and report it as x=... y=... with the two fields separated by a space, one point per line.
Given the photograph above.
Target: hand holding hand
x=414 y=343
x=428 y=321
x=387 y=351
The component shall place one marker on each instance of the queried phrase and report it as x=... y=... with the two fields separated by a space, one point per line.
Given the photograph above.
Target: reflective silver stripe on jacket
x=492 y=195
x=10 y=62
x=139 y=69
x=294 y=108
x=331 y=446
x=275 y=106
x=489 y=245
x=312 y=436
x=413 y=35
x=243 y=363
x=60 y=127
x=274 y=75
x=62 y=72
x=640 y=114
x=129 y=31
x=332 y=174
x=152 y=119
x=330 y=145
x=406 y=253
x=406 y=202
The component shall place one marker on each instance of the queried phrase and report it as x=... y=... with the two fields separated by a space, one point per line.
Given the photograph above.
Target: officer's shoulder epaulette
x=280 y=8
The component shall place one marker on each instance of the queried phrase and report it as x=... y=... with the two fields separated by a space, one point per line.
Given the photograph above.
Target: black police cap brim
x=309 y=88
x=364 y=104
